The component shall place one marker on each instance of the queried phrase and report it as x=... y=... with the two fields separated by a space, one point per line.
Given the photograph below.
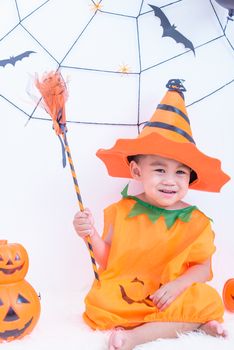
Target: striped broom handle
x=80 y=202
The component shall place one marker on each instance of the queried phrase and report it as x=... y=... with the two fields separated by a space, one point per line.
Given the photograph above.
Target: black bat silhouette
x=170 y=30
x=13 y=59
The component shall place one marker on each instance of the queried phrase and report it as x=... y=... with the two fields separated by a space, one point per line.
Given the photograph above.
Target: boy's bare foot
x=214 y=328
x=119 y=340
x=122 y=339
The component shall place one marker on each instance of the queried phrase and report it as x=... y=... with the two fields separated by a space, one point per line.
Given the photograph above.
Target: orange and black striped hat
x=167 y=134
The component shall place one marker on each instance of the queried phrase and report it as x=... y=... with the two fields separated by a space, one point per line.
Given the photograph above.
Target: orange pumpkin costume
x=151 y=246
x=145 y=255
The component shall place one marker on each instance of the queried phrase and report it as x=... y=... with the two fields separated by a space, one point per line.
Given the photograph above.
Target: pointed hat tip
x=176 y=85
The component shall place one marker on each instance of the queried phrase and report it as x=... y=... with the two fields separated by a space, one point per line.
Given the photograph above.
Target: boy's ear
x=135 y=170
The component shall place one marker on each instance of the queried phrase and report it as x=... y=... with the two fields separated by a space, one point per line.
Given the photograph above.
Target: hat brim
x=210 y=176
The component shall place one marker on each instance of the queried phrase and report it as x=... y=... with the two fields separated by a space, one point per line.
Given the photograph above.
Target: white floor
x=61 y=327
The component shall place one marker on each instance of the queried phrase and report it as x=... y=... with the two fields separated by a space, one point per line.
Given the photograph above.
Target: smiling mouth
x=167 y=191
x=15 y=332
x=10 y=271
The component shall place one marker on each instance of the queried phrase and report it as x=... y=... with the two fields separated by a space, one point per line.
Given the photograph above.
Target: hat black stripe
x=171 y=128
x=169 y=108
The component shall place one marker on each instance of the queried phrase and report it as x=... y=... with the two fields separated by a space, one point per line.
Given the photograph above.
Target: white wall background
x=37 y=198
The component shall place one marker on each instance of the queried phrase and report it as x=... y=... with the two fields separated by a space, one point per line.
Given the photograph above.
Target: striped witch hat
x=167 y=134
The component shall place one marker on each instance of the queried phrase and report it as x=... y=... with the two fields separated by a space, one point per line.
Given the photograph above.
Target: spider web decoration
x=85 y=40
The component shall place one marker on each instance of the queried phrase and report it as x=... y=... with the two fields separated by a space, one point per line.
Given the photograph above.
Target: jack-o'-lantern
x=19 y=310
x=13 y=262
x=228 y=295
x=19 y=303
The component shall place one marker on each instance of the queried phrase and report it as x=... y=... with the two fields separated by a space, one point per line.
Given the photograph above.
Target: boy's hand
x=83 y=223
x=166 y=294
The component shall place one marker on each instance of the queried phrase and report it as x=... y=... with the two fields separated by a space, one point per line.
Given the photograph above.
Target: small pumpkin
x=19 y=310
x=13 y=262
x=228 y=295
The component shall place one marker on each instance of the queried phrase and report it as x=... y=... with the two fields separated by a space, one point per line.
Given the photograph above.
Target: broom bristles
x=54 y=94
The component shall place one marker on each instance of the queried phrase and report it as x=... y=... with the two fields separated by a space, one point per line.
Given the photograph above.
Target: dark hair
x=193 y=176
x=137 y=157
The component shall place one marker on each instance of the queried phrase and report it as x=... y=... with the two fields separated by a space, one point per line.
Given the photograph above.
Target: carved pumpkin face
x=13 y=262
x=228 y=295
x=19 y=310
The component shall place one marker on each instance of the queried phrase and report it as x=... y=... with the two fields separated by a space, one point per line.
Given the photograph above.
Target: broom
x=54 y=94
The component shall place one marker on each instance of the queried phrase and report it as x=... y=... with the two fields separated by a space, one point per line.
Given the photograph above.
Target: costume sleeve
x=203 y=248
x=109 y=218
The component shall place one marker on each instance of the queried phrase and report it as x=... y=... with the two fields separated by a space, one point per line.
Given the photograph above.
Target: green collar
x=154 y=212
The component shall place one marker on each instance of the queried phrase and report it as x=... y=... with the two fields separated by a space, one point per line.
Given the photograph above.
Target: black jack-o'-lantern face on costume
x=19 y=310
x=13 y=262
x=135 y=292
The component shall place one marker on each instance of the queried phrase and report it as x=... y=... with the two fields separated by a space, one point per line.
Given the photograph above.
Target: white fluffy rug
x=61 y=327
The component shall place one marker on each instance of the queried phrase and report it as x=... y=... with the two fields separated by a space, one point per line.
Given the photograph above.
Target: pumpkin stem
x=3 y=241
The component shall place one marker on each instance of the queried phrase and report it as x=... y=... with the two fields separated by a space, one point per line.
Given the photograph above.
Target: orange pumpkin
x=13 y=262
x=19 y=310
x=19 y=303
x=228 y=295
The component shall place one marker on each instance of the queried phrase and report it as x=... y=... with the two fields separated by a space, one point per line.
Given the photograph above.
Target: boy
x=155 y=253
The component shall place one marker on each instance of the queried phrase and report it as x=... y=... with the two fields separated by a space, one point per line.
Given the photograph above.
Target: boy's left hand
x=166 y=294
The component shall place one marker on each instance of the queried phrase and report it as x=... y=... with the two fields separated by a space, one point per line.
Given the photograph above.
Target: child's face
x=165 y=181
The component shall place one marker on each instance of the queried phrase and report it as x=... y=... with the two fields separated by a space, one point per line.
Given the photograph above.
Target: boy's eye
x=159 y=170
x=182 y=172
